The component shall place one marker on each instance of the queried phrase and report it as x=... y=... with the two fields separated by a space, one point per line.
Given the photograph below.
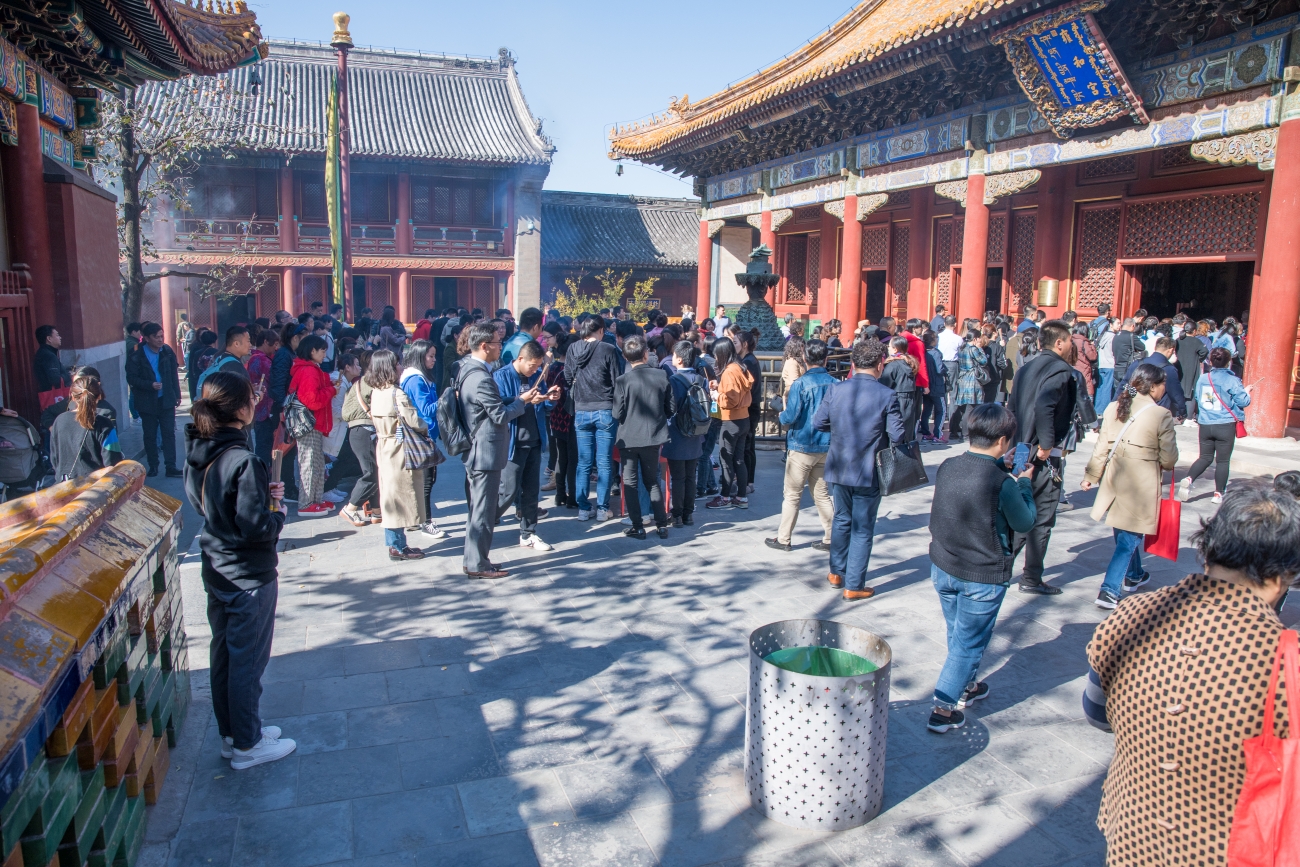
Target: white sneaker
x=1184 y=489
x=334 y=496
x=228 y=744
x=535 y=543
x=1218 y=498
x=602 y=514
x=627 y=520
x=584 y=514
x=430 y=529
x=267 y=750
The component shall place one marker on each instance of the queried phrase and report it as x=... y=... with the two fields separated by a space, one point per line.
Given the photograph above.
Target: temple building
x=987 y=155
x=58 y=228
x=447 y=166
x=587 y=233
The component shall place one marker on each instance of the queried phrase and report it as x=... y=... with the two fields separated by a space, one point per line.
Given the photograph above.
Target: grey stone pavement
x=590 y=709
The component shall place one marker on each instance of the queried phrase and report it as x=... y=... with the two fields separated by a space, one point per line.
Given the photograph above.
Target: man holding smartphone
x=521 y=478
x=1043 y=395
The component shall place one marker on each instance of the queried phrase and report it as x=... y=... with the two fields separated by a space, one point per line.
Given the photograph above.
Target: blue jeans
x=706 y=480
x=970 y=609
x=595 y=432
x=1127 y=560
x=395 y=538
x=1105 y=384
x=939 y=407
x=852 y=531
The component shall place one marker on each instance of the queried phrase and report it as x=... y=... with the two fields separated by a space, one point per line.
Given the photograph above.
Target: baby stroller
x=20 y=454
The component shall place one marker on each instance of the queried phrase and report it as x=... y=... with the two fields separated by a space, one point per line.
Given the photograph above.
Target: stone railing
x=94 y=675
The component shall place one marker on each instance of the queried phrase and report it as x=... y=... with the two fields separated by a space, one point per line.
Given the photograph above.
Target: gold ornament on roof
x=341 y=34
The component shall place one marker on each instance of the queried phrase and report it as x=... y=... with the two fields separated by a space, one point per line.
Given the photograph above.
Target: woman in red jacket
x=313 y=387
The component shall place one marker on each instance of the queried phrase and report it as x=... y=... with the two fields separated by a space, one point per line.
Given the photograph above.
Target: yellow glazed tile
x=20 y=701
x=86 y=571
x=65 y=607
x=31 y=648
x=17 y=567
x=114 y=547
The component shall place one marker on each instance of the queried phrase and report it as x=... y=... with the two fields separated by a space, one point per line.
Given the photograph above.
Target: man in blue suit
x=862 y=415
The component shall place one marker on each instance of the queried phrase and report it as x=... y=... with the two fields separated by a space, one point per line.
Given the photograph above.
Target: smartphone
x=1021 y=459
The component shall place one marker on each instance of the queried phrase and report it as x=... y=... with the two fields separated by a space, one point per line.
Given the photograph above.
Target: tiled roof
x=597 y=231
x=871 y=30
x=403 y=105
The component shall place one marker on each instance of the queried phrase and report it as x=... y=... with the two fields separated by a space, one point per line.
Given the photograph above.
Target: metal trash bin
x=815 y=746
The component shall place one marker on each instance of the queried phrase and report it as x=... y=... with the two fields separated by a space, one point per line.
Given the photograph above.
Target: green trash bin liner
x=820 y=661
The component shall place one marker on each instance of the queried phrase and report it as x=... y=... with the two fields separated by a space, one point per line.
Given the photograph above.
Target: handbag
x=50 y=397
x=1241 y=422
x=1266 y=824
x=1164 y=541
x=419 y=451
x=298 y=419
x=899 y=468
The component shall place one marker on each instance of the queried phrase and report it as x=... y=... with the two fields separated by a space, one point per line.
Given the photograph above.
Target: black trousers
x=264 y=437
x=566 y=468
x=735 y=473
x=160 y=421
x=552 y=450
x=1217 y=441
x=642 y=464
x=520 y=481
x=1047 y=495
x=367 y=487
x=243 y=622
x=681 y=480
x=751 y=457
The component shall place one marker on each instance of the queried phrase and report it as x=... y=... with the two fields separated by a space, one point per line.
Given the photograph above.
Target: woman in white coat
x=401 y=499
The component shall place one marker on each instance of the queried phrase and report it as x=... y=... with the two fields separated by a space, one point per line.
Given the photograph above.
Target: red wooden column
x=766 y=236
x=704 y=273
x=974 y=253
x=1275 y=303
x=850 y=267
x=1053 y=227
x=404 y=234
x=827 y=306
x=404 y=311
x=289 y=291
x=918 y=255
x=288 y=225
x=29 y=223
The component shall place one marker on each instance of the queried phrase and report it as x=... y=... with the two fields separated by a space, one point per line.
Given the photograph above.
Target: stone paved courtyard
x=590 y=709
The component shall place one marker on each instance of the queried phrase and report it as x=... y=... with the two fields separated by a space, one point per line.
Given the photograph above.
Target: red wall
x=87 y=285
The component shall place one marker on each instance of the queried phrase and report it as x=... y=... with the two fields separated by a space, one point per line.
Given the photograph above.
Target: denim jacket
x=1209 y=408
x=801 y=403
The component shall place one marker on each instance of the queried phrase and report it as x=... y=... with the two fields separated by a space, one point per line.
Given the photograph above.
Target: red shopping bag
x=1266 y=824
x=1164 y=542
x=49 y=398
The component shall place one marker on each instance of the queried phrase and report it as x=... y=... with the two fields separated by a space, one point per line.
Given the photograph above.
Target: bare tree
x=152 y=150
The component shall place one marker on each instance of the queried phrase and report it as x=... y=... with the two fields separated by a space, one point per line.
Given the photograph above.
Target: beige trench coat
x=401 y=491
x=1129 y=495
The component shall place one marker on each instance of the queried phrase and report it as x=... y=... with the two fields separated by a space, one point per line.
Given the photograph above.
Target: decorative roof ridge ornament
x=341 y=34
x=1065 y=66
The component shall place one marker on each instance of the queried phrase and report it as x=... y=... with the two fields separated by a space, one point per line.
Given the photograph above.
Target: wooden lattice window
x=235 y=194
x=943 y=262
x=901 y=275
x=1178 y=158
x=1098 y=250
x=1023 y=226
x=997 y=245
x=814 y=274
x=453 y=202
x=268 y=297
x=875 y=246
x=1110 y=168
x=422 y=296
x=371 y=202
x=315 y=287
x=1194 y=226
x=311 y=197
x=958 y=238
x=902 y=197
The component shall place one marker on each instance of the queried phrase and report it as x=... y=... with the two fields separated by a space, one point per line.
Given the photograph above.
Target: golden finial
x=341 y=34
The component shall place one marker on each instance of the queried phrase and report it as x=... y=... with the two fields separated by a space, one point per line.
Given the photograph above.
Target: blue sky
x=584 y=65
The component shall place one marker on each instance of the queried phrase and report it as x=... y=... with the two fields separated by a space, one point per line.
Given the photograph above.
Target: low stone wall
x=94 y=679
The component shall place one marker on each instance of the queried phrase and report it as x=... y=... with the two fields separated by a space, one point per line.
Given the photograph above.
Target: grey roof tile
x=403 y=105
x=595 y=230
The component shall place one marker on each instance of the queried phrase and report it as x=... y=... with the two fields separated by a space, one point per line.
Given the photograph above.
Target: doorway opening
x=993 y=292
x=360 y=298
x=234 y=310
x=1201 y=290
x=445 y=293
x=875 y=301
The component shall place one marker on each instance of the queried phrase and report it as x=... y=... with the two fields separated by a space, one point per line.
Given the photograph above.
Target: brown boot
x=864 y=593
x=835 y=580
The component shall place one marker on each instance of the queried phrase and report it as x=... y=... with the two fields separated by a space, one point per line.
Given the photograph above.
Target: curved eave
x=813 y=67
x=178 y=40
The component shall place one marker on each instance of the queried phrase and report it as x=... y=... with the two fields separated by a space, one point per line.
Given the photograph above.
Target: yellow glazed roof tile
x=869 y=31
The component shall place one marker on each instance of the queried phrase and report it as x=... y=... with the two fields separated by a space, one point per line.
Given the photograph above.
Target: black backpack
x=451 y=422
x=692 y=418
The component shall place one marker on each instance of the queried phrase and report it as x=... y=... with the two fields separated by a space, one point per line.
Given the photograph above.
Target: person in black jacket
x=153 y=375
x=47 y=367
x=1175 y=399
x=243 y=515
x=746 y=343
x=643 y=403
x=1043 y=397
x=1127 y=348
x=278 y=387
x=590 y=368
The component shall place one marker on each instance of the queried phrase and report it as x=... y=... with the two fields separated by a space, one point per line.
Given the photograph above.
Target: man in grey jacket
x=487 y=418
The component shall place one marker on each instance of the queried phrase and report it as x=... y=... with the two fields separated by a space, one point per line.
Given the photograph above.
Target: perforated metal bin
x=815 y=746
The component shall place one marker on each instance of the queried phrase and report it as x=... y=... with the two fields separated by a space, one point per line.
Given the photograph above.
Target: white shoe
x=1184 y=489
x=535 y=543
x=267 y=750
x=228 y=744
x=430 y=529
x=1218 y=498
x=627 y=520
x=584 y=514
x=602 y=514
x=334 y=496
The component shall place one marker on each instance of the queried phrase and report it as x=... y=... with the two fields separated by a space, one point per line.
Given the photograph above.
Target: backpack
x=692 y=418
x=451 y=426
x=210 y=368
x=20 y=450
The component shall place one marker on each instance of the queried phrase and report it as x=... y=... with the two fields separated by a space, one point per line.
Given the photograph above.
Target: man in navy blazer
x=862 y=415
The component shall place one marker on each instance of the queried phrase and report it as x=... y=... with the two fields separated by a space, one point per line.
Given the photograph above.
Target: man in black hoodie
x=643 y=403
x=590 y=369
x=1043 y=396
